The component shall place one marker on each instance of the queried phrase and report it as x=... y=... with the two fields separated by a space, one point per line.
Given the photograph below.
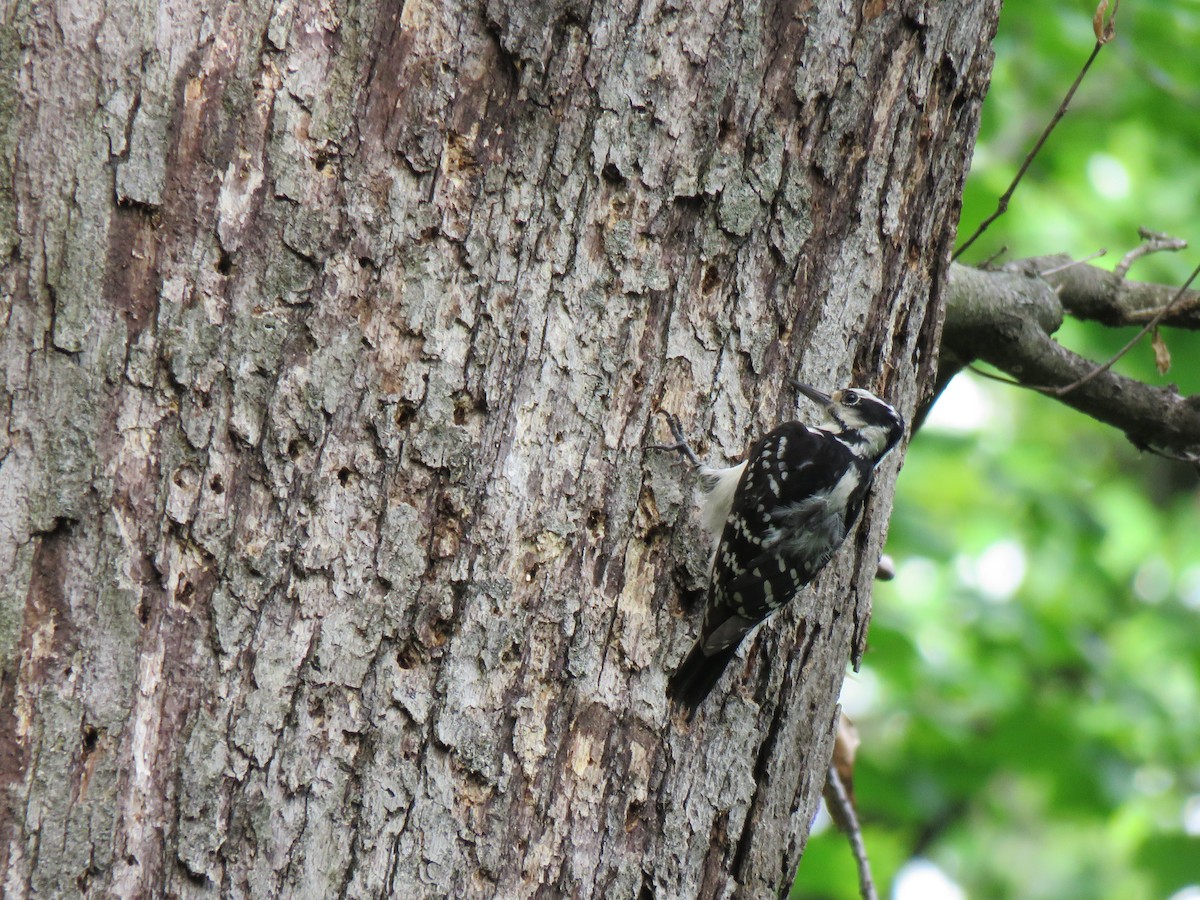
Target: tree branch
x=1007 y=319
x=841 y=809
x=1089 y=292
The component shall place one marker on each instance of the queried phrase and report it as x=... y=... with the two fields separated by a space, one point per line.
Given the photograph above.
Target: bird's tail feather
x=697 y=676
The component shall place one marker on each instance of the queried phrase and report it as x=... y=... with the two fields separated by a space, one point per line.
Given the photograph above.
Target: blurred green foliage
x=1029 y=705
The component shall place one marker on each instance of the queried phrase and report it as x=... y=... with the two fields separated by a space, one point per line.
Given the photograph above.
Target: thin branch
x=866 y=885
x=1002 y=205
x=1192 y=459
x=1153 y=242
x=993 y=377
x=1075 y=262
x=1146 y=329
x=986 y=265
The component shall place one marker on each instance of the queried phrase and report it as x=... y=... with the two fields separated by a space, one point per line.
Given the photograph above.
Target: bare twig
x=1154 y=242
x=1192 y=459
x=1075 y=262
x=846 y=809
x=1103 y=35
x=992 y=377
x=987 y=263
x=1146 y=329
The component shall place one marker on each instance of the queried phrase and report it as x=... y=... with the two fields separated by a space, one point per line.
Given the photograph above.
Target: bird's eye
x=851 y=399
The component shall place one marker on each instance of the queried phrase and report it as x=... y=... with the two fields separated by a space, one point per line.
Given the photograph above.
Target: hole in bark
x=183 y=594
x=612 y=174
x=711 y=279
x=344 y=475
x=224 y=263
x=320 y=161
x=524 y=335
x=464 y=404
x=197 y=878
x=365 y=262
x=293 y=448
x=440 y=632
x=595 y=520
x=217 y=485
x=690 y=596
x=90 y=737
x=85 y=880
x=405 y=413
x=633 y=818
x=647 y=891
x=405 y=658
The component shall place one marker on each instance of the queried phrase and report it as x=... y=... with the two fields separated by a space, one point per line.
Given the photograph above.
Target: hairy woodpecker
x=778 y=517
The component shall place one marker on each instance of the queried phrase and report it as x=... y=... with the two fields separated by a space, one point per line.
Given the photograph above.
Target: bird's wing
x=785 y=523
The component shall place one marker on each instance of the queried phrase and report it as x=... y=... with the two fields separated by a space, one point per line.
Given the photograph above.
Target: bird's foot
x=681 y=445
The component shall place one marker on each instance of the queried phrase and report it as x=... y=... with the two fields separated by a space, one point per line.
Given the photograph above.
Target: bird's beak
x=812 y=393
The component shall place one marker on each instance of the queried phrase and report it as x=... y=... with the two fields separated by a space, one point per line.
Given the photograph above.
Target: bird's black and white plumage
x=780 y=516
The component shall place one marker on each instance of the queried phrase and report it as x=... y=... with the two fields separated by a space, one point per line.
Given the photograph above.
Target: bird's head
x=868 y=425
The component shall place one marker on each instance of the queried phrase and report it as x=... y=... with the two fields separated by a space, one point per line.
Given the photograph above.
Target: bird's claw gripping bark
x=681 y=445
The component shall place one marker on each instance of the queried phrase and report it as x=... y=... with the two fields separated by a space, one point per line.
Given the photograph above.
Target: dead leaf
x=1105 y=31
x=845 y=748
x=1162 y=356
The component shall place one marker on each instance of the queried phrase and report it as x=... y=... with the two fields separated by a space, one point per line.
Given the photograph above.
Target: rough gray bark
x=332 y=560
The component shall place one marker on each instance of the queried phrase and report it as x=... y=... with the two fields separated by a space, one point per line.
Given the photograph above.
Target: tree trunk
x=333 y=559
